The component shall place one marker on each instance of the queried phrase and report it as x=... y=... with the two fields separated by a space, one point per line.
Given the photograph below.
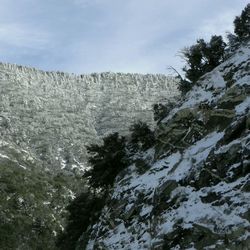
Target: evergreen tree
x=83 y=211
x=160 y=111
x=214 y=52
x=194 y=60
x=142 y=137
x=106 y=161
x=233 y=43
x=203 y=57
x=242 y=24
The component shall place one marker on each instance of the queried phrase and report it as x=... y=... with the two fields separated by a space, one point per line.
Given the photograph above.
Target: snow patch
x=242 y=107
x=4 y=156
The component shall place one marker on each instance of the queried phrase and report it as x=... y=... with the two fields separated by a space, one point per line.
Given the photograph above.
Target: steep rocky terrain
x=192 y=189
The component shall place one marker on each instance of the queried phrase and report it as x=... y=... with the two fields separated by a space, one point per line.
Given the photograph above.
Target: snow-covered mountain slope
x=196 y=192
x=55 y=115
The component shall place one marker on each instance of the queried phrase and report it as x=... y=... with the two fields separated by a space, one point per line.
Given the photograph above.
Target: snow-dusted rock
x=195 y=195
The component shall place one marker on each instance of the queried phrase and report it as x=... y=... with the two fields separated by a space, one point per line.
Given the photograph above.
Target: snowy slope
x=56 y=114
x=196 y=193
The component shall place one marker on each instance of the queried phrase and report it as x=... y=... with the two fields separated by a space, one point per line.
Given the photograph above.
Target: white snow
x=22 y=166
x=215 y=80
x=242 y=107
x=146 y=210
x=194 y=97
x=63 y=164
x=243 y=142
x=195 y=155
x=72 y=195
x=245 y=80
x=193 y=210
x=4 y=156
x=3 y=143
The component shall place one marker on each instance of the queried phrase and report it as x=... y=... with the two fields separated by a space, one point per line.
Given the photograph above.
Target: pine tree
x=214 y=52
x=83 y=211
x=242 y=24
x=203 y=57
x=106 y=161
x=142 y=137
x=233 y=43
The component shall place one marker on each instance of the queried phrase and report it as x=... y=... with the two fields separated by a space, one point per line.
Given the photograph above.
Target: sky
x=85 y=36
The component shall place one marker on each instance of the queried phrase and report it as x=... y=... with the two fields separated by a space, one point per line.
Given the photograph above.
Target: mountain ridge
x=74 y=109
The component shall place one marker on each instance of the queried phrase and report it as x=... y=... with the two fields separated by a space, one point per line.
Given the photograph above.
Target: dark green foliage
x=242 y=24
x=214 y=52
x=193 y=57
x=233 y=44
x=203 y=57
x=184 y=86
x=162 y=110
x=142 y=137
x=28 y=197
x=141 y=166
x=83 y=211
x=107 y=161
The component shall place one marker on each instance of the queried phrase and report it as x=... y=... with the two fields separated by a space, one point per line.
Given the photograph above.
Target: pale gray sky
x=84 y=36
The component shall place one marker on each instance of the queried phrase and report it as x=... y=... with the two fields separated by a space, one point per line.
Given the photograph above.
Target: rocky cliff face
x=196 y=192
x=54 y=115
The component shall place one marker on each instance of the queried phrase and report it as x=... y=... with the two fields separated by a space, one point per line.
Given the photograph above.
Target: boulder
x=185 y=128
x=197 y=237
x=219 y=118
x=246 y=187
